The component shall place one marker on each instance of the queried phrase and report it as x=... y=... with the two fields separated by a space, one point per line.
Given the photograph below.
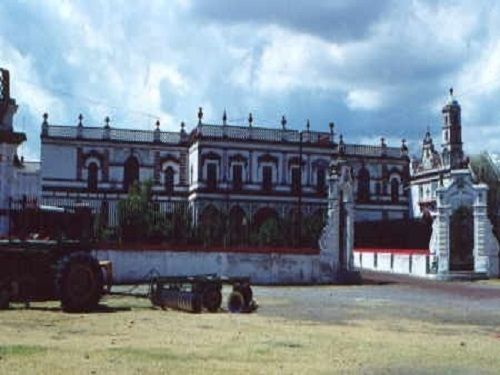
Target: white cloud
x=364 y=99
x=296 y=61
x=386 y=70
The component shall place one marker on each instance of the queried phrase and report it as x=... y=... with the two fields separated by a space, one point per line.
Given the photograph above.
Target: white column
x=443 y=240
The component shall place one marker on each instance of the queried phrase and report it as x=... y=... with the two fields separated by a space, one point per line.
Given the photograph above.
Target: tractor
x=47 y=256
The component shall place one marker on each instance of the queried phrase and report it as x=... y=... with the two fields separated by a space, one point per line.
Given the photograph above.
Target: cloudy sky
x=375 y=68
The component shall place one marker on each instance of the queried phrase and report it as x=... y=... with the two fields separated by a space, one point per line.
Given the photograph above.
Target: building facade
x=245 y=171
x=433 y=168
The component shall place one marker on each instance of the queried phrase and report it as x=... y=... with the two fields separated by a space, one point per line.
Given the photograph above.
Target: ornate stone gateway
x=462 y=237
x=337 y=238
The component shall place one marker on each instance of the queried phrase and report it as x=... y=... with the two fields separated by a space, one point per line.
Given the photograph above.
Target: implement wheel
x=246 y=291
x=212 y=298
x=79 y=282
x=236 y=302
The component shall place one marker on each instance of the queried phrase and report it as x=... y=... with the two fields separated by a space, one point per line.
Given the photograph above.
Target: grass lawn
x=133 y=338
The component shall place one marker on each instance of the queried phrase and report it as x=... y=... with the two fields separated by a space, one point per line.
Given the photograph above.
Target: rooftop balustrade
x=209 y=131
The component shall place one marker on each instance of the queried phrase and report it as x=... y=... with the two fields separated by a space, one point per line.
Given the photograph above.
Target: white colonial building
x=243 y=170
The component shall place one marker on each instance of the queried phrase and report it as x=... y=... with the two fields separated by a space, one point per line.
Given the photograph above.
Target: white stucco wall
x=404 y=264
x=135 y=266
x=58 y=161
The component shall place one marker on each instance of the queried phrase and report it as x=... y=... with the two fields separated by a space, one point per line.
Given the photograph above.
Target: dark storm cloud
x=332 y=20
x=373 y=67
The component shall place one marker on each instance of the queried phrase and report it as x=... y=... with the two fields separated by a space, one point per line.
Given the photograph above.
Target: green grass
x=21 y=350
x=140 y=340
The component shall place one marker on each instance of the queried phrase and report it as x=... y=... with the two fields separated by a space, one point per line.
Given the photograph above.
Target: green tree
x=140 y=219
x=270 y=233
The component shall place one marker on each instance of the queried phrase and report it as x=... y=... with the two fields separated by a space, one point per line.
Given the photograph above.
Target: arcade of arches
x=264 y=227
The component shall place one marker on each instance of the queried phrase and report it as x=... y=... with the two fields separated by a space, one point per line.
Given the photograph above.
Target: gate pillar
x=337 y=238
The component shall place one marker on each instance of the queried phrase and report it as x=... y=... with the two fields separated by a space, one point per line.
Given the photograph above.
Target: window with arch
x=237 y=176
x=267 y=178
x=363 y=185
x=169 y=180
x=320 y=180
x=378 y=188
x=212 y=176
x=296 y=180
x=394 y=190
x=92 y=176
x=130 y=172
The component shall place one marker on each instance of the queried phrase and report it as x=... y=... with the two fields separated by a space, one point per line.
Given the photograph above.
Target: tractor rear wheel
x=79 y=282
x=212 y=298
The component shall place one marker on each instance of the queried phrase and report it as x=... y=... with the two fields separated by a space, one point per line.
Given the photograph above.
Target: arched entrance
x=462 y=236
x=266 y=226
x=238 y=226
x=130 y=172
x=211 y=226
x=462 y=239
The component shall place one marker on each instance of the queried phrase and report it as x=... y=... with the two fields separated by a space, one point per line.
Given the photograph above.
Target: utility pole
x=300 y=190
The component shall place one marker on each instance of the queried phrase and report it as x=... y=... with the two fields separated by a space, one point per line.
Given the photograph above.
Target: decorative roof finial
x=382 y=142
x=250 y=119
x=331 y=125
x=283 y=122
x=106 y=121
x=224 y=117
x=45 y=118
x=308 y=125
x=404 y=147
x=200 y=115
x=80 y=120
x=157 y=133
x=451 y=92
x=341 y=145
x=182 y=126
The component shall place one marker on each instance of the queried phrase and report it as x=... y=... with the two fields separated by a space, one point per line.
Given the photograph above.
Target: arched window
x=320 y=180
x=130 y=172
x=211 y=176
x=363 y=185
x=169 y=180
x=296 y=180
x=92 y=177
x=237 y=177
x=267 y=178
x=394 y=190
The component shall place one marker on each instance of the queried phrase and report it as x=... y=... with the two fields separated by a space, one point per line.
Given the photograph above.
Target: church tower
x=452 y=134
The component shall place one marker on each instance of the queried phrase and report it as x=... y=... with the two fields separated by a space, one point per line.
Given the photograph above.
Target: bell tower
x=453 y=154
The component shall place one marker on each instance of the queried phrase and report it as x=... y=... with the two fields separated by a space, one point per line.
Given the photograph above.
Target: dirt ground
x=377 y=328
